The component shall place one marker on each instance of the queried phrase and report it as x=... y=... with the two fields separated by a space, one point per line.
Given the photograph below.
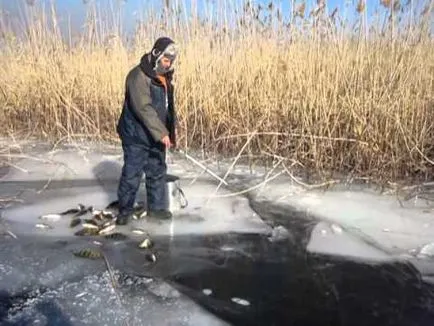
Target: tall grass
x=334 y=95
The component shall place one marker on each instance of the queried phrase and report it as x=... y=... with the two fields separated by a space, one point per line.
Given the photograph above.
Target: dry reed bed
x=331 y=103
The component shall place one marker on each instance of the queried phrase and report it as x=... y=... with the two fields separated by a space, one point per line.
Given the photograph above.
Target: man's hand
x=166 y=142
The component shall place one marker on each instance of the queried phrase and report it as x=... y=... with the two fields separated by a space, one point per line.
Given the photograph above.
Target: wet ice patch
x=329 y=239
x=240 y=301
x=72 y=177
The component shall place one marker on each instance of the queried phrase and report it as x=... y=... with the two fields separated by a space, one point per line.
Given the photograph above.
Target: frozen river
x=232 y=260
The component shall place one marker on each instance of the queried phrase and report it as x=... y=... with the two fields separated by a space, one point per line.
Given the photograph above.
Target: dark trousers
x=139 y=159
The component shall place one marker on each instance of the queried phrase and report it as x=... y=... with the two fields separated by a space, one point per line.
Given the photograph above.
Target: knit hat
x=163 y=47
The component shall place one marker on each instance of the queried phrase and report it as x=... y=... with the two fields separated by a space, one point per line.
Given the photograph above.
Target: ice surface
x=78 y=291
x=73 y=291
x=94 y=184
x=42 y=283
x=58 y=180
x=377 y=217
x=326 y=240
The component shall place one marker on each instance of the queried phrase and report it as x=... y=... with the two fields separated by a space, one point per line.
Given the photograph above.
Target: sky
x=73 y=12
x=76 y=7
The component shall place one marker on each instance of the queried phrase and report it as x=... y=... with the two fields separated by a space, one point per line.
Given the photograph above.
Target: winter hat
x=163 y=47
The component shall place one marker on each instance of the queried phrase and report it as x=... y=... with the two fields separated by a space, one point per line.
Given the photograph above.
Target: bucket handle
x=184 y=201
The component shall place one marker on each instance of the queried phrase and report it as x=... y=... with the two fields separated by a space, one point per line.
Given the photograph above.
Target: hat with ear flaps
x=163 y=47
x=150 y=61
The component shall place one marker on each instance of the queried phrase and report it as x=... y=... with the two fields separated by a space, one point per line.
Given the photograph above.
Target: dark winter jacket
x=145 y=118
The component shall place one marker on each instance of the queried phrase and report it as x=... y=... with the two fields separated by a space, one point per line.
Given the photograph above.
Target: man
x=146 y=128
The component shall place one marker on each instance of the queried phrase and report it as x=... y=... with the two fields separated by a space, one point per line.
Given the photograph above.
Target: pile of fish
x=100 y=223
x=144 y=243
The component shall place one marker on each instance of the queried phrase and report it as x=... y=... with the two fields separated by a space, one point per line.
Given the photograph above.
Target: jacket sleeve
x=140 y=96
x=173 y=117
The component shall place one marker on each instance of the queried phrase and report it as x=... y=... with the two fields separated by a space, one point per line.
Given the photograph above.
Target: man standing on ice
x=146 y=128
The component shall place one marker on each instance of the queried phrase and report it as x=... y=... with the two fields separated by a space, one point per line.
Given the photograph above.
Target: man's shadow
x=107 y=174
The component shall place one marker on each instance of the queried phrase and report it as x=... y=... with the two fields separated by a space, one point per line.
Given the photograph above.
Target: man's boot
x=160 y=214
x=123 y=219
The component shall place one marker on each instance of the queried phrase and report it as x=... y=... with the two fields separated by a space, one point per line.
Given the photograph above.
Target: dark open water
x=247 y=279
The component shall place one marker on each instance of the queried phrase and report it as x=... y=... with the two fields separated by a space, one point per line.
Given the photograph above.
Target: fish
x=140 y=215
x=151 y=258
x=146 y=244
x=83 y=210
x=107 y=214
x=139 y=211
x=102 y=216
x=116 y=236
x=108 y=223
x=98 y=217
x=43 y=226
x=91 y=221
x=50 y=217
x=138 y=231
x=90 y=226
x=85 y=231
x=70 y=211
x=80 y=208
x=107 y=229
x=90 y=253
x=97 y=243
x=80 y=214
x=74 y=222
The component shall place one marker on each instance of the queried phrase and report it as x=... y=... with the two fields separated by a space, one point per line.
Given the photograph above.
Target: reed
x=335 y=96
